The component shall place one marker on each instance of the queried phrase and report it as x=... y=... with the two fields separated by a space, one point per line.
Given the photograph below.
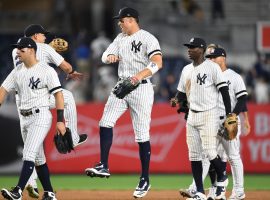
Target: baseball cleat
x=235 y=196
x=142 y=188
x=32 y=192
x=83 y=139
x=198 y=196
x=48 y=196
x=212 y=193
x=98 y=171
x=14 y=194
x=187 y=192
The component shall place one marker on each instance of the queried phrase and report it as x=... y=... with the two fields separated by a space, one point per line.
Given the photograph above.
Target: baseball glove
x=59 y=44
x=63 y=143
x=125 y=86
x=230 y=127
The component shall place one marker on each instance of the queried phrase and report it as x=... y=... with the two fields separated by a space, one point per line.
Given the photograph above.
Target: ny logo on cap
x=191 y=40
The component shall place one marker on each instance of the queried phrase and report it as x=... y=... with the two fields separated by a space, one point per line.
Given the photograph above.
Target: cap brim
x=46 y=32
x=212 y=56
x=189 y=45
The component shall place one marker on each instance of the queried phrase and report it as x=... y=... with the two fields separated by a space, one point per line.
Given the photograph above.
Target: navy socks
x=106 y=137
x=196 y=167
x=27 y=170
x=44 y=177
x=145 y=154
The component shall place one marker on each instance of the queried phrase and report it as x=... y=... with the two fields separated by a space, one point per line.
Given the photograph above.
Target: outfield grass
x=125 y=182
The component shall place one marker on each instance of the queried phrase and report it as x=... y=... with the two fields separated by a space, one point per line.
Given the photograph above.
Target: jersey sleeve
x=218 y=77
x=9 y=82
x=153 y=46
x=53 y=82
x=239 y=87
x=113 y=47
x=181 y=85
x=54 y=57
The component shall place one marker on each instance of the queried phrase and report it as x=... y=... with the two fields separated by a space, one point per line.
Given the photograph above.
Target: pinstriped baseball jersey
x=44 y=53
x=32 y=84
x=237 y=89
x=134 y=51
x=201 y=84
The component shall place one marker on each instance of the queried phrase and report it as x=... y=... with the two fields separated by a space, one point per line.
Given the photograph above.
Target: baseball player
x=238 y=96
x=34 y=81
x=47 y=54
x=139 y=56
x=231 y=149
x=199 y=84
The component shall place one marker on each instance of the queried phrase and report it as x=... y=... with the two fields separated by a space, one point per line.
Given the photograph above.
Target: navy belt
x=195 y=111
x=28 y=112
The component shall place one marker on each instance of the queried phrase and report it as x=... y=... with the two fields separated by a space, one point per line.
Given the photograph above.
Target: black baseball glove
x=125 y=86
x=63 y=143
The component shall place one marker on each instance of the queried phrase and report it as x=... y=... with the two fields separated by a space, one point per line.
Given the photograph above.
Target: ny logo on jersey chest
x=136 y=47
x=229 y=83
x=34 y=83
x=201 y=79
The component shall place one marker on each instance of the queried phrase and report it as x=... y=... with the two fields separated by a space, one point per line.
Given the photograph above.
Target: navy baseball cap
x=127 y=12
x=196 y=42
x=25 y=42
x=216 y=52
x=33 y=29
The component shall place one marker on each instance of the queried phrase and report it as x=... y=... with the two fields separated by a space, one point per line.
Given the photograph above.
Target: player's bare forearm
x=246 y=123
x=59 y=100
x=157 y=59
x=3 y=94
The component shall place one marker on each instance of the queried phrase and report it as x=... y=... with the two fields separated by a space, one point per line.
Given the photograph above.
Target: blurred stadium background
x=242 y=27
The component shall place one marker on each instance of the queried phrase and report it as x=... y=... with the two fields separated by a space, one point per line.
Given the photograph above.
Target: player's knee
x=195 y=156
x=106 y=124
x=211 y=154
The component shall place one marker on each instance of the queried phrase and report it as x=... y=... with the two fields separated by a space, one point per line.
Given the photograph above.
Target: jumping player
x=47 y=54
x=139 y=56
x=34 y=81
x=199 y=84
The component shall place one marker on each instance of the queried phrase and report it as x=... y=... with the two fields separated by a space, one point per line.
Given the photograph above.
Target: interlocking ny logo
x=201 y=79
x=34 y=83
x=229 y=83
x=136 y=47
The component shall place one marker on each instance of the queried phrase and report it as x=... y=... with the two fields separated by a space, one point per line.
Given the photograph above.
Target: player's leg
x=114 y=108
x=232 y=149
x=39 y=131
x=209 y=143
x=191 y=191
x=33 y=136
x=141 y=103
x=70 y=115
x=32 y=187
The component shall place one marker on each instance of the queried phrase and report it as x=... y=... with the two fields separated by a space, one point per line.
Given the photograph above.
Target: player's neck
x=134 y=30
x=198 y=61
x=30 y=62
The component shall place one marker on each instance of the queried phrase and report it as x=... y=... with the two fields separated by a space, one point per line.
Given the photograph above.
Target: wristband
x=153 y=67
x=60 y=115
x=72 y=71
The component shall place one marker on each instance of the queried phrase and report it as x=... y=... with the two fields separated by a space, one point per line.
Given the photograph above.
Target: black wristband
x=72 y=71
x=60 y=115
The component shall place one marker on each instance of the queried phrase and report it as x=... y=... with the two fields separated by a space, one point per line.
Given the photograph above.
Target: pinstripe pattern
x=35 y=127
x=201 y=84
x=132 y=62
x=203 y=96
x=231 y=149
x=135 y=52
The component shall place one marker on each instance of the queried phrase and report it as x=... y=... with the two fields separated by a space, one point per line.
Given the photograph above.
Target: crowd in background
x=88 y=41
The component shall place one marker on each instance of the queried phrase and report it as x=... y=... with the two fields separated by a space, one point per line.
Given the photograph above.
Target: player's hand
x=76 y=76
x=173 y=102
x=246 y=130
x=113 y=59
x=61 y=128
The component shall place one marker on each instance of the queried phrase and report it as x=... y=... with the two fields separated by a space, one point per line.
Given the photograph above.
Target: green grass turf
x=125 y=182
